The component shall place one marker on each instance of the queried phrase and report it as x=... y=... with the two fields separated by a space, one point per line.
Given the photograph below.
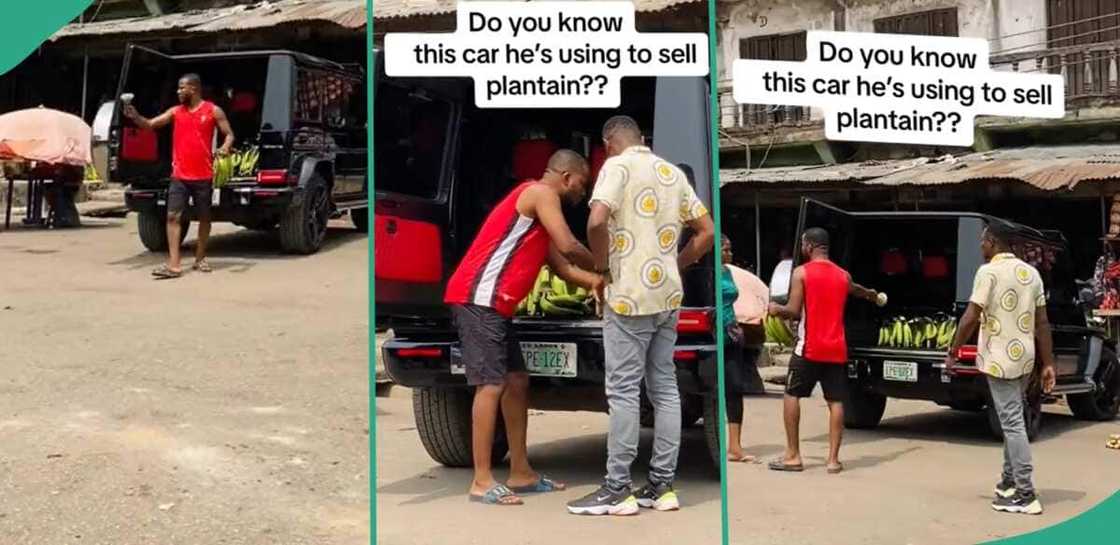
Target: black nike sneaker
x=605 y=501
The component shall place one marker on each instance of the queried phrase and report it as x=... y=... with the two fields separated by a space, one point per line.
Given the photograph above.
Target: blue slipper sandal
x=498 y=494
x=544 y=484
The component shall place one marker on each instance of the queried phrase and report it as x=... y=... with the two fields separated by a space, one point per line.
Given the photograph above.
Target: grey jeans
x=638 y=347
x=1007 y=396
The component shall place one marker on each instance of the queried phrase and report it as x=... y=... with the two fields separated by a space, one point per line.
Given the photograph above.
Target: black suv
x=926 y=262
x=304 y=115
x=441 y=165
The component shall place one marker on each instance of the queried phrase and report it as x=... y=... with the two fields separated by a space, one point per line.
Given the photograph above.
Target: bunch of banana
x=1113 y=441
x=777 y=331
x=918 y=333
x=552 y=296
x=239 y=163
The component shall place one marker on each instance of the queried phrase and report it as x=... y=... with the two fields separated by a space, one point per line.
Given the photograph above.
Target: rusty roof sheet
x=1044 y=167
x=837 y=173
x=388 y=9
x=346 y=13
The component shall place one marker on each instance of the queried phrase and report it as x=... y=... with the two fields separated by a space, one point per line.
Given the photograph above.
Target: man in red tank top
x=524 y=231
x=818 y=293
x=192 y=166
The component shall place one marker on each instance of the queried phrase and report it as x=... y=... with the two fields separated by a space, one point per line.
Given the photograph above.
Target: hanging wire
x=1052 y=42
x=1060 y=25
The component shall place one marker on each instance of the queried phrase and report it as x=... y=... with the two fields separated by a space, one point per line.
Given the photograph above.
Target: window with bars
x=1073 y=23
x=936 y=22
x=774 y=47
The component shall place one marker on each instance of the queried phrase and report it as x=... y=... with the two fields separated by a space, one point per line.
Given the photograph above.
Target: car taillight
x=966 y=353
x=694 y=321
x=272 y=177
x=685 y=355
x=429 y=353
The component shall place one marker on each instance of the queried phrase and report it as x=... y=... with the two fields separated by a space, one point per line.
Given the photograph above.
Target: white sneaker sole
x=620 y=510
x=1033 y=509
x=660 y=505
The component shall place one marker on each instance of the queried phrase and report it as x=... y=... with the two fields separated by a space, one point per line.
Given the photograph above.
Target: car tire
x=360 y=218
x=1103 y=404
x=443 y=420
x=303 y=226
x=712 y=430
x=1032 y=414
x=864 y=408
x=152 y=227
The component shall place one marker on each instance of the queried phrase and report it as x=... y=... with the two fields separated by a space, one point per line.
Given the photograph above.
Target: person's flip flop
x=164 y=273
x=202 y=266
x=498 y=494
x=780 y=465
x=744 y=459
x=544 y=484
x=835 y=469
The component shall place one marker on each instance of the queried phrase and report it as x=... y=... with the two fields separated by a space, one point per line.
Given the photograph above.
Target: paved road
x=226 y=408
x=421 y=503
x=924 y=477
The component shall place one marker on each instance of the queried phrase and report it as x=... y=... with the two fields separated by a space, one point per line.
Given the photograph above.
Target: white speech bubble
x=546 y=54
x=898 y=88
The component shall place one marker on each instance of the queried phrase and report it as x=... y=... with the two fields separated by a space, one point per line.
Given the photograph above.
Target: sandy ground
x=226 y=408
x=924 y=477
x=421 y=502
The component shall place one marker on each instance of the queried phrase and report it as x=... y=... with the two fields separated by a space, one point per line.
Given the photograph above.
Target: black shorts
x=490 y=348
x=180 y=192
x=805 y=374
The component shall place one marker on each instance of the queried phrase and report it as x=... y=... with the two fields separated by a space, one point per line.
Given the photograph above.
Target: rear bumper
x=234 y=200
x=933 y=382
x=695 y=361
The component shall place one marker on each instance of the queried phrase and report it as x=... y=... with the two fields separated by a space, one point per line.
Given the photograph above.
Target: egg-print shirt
x=650 y=201
x=1009 y=291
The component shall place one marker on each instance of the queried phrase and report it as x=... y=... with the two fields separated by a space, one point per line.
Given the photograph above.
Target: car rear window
x=410 y=141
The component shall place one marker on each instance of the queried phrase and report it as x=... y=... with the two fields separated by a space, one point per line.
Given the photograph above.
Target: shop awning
x=389 y=9
x=1044 y=167
x=345 y=13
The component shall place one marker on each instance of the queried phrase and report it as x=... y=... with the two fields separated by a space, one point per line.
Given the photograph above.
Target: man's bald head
x=567 y=171
x=566 y=160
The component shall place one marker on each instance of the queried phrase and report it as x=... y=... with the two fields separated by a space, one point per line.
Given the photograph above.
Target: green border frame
x=371 y=323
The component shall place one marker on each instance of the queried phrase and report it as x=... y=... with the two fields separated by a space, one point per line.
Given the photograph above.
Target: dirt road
x=224 y=408
x=924 y=477
x=422 y=503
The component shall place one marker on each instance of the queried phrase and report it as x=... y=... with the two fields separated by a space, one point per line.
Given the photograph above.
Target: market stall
x=50 y=149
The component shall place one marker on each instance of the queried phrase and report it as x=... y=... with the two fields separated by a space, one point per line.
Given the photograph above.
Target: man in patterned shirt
x=640 y=206
x=1008 y=304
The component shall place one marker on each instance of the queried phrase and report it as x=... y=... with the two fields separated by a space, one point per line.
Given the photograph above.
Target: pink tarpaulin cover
x=42 y=134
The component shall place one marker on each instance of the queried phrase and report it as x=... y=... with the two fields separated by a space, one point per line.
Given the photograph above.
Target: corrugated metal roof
x=1045 y=167
x=346 y=13
x=388 y=9
x=842 y=172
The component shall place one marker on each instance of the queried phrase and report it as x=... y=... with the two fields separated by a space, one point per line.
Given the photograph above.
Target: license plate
x=550 y=359
x=900 y=371
x=541 y=359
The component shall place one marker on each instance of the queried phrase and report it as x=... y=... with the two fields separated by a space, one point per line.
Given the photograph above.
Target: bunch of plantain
x=236 y=164
x=777 y=331
x=920 y=333
x=551 y=296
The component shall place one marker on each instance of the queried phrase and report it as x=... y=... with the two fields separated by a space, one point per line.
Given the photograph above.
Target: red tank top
x=192 y=140
x=502 y=263
x=820 y=335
